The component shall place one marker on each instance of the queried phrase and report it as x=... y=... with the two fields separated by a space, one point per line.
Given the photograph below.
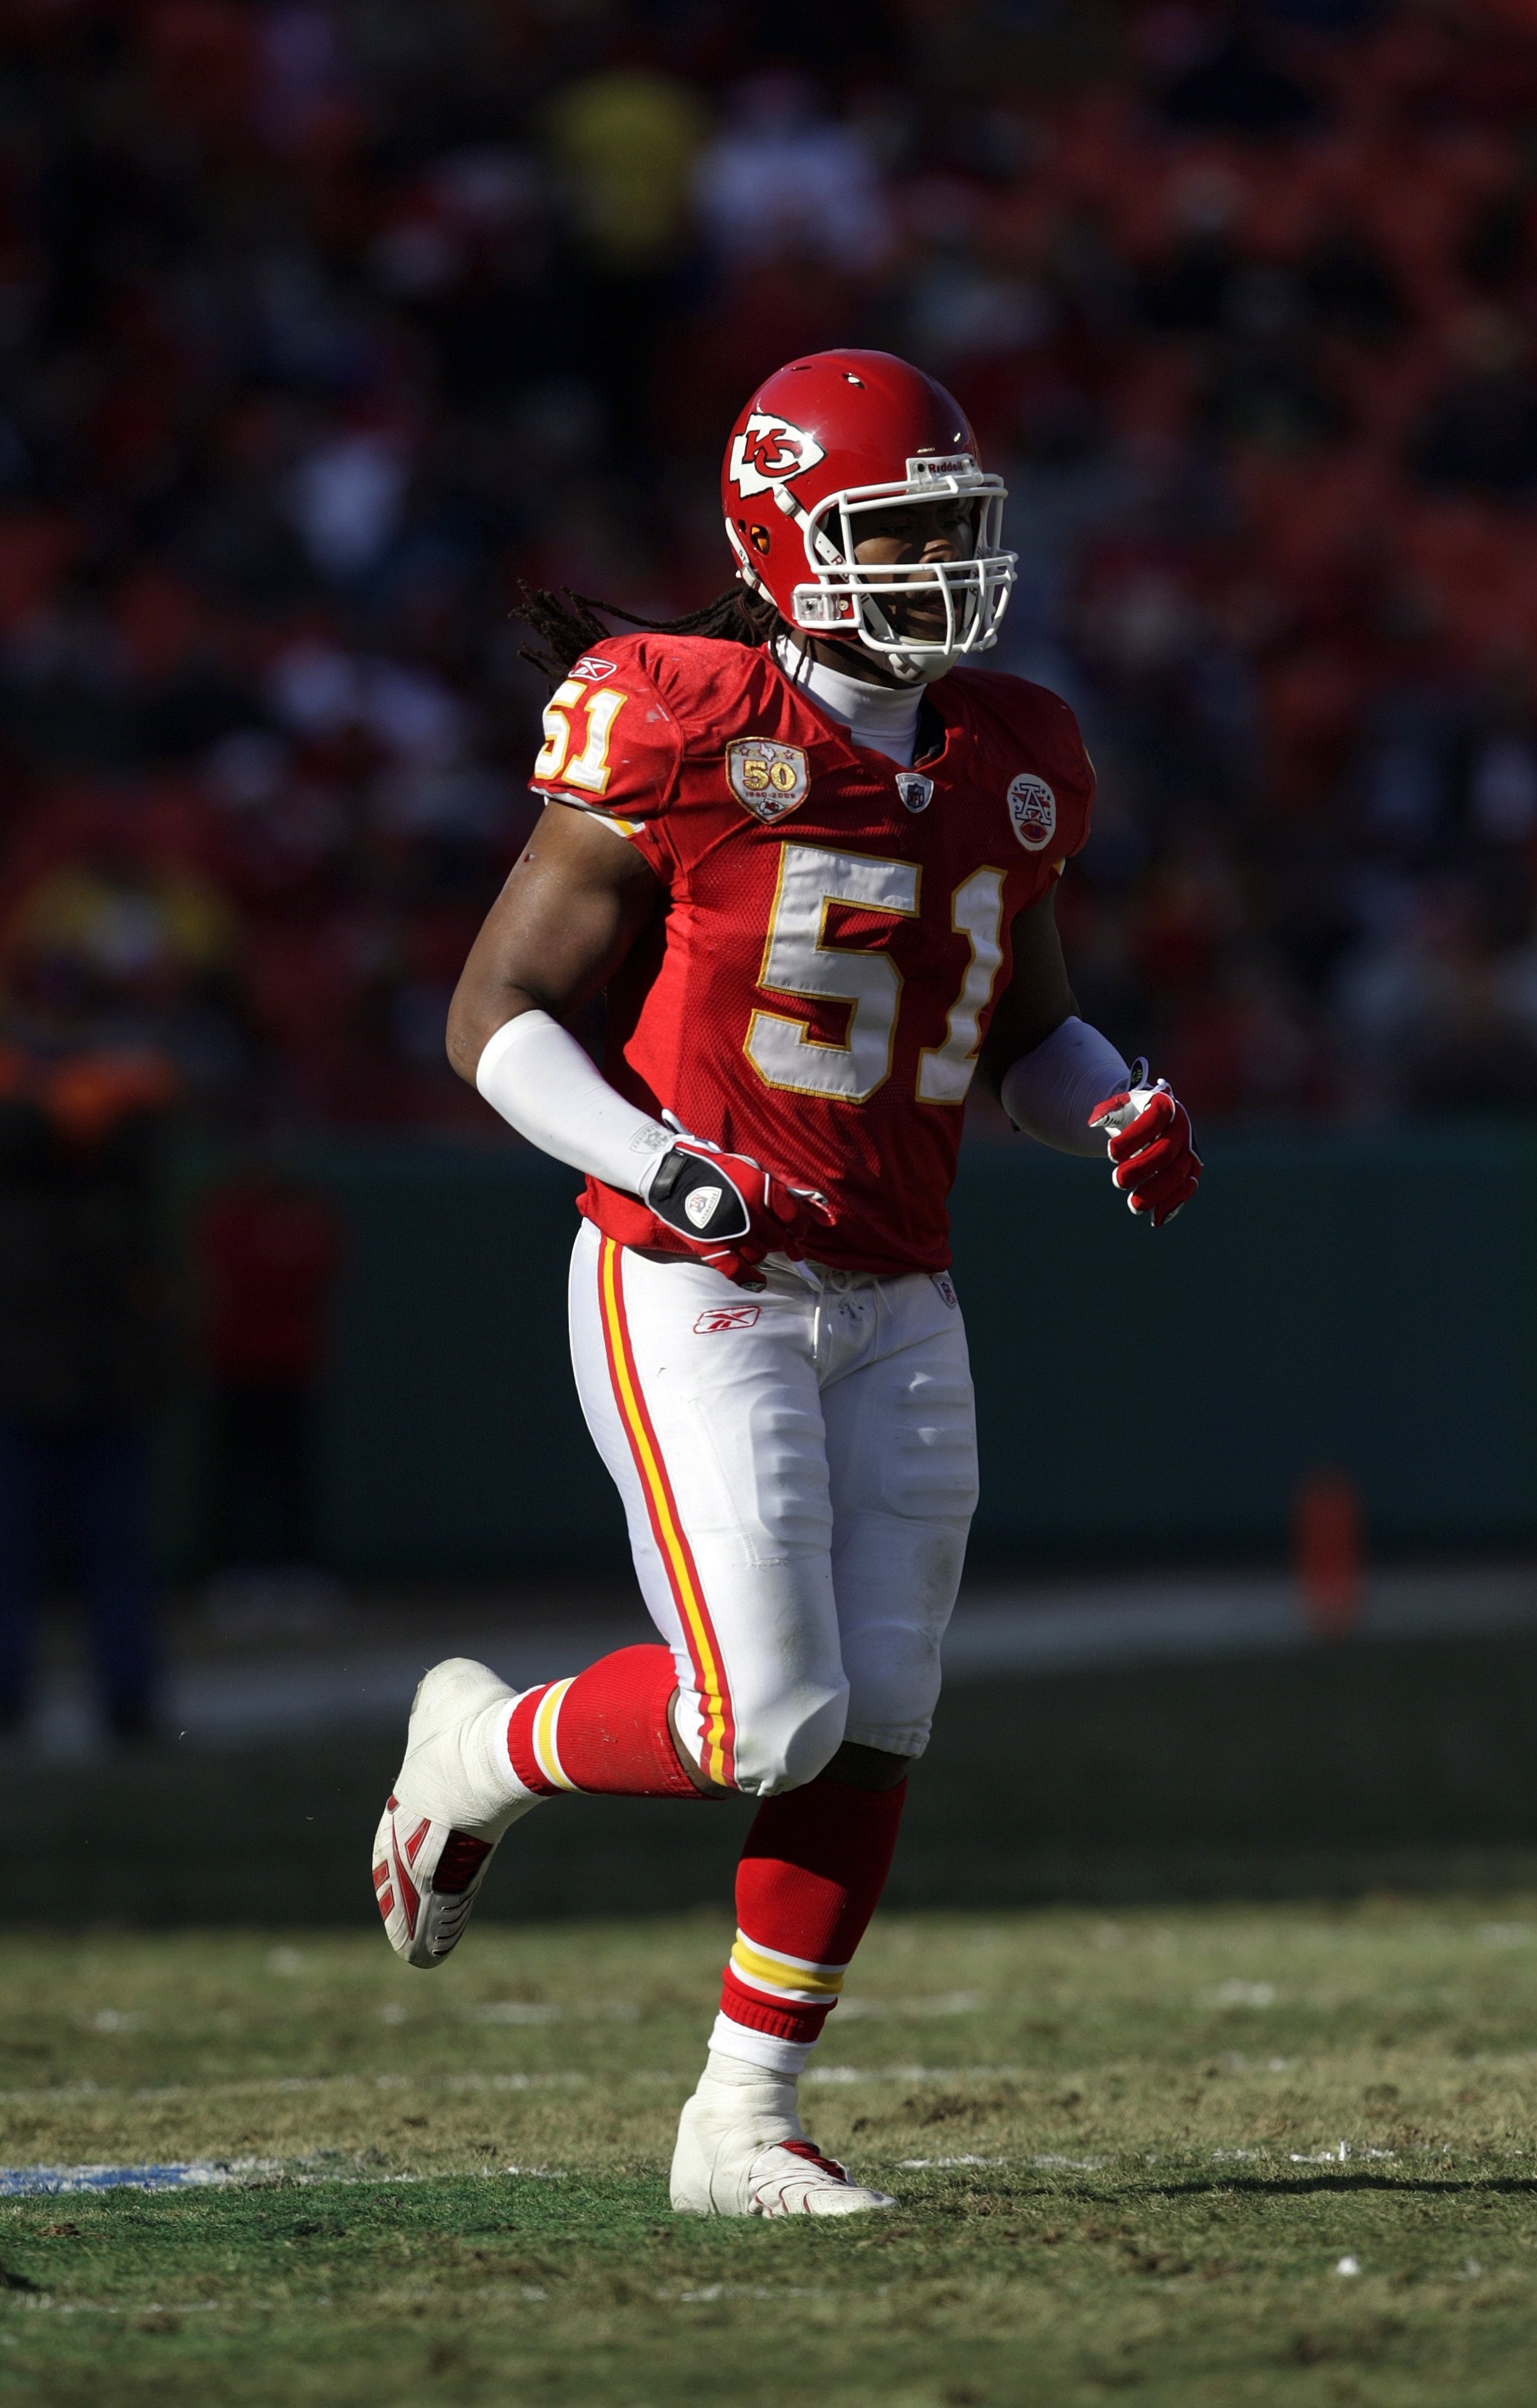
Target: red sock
x=606 y=1730
x=810 y=1878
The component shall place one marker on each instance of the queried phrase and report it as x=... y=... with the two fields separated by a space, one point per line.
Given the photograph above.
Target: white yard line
x=231 y=2174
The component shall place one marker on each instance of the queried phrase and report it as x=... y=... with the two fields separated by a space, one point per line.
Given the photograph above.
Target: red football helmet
x=843 y=432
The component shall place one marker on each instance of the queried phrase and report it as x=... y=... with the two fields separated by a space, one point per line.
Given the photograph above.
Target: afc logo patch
x=767 y=778
x=769 y=452
x=1033 y=809
x=727 y=1316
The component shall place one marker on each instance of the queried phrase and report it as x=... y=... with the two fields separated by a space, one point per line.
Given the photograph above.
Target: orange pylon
x=1326 y=1550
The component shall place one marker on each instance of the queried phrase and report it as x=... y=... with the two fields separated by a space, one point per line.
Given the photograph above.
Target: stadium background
x=323 y=326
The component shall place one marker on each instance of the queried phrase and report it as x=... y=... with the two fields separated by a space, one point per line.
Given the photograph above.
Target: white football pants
x=799 y=1475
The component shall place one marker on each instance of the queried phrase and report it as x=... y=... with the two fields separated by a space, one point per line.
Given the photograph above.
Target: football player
x=809 y=852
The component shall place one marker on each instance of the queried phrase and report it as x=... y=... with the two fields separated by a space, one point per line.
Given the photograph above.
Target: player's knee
x=893 y=1684
x=786 y=1741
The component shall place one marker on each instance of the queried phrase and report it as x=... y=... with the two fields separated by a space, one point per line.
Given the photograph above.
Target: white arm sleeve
x=1050 y=1091
x=533 y=1072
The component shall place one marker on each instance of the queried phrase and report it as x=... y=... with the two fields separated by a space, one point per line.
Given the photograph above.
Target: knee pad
x=893 y=1685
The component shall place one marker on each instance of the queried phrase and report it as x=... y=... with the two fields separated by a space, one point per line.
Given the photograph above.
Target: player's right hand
x=730 y=1210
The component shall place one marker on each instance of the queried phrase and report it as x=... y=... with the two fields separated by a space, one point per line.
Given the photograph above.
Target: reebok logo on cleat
x=700 y=1204
x=409 y=1897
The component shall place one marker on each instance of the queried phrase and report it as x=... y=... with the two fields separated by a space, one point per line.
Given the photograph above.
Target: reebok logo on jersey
x=700 y=1203
x=726 y=1316
x=591 y=669
x=768 y=778
x=1033 y=809
x=769 y=452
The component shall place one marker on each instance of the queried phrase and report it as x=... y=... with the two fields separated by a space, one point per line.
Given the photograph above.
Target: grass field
x=1133 y=2154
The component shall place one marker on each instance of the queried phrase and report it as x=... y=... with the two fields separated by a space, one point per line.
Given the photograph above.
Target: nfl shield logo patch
x=769 y=779
x=1033 y=809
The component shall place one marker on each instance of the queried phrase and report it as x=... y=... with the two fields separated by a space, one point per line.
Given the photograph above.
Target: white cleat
x=795 y=2179
x=455 y=1794
x=741 y=2151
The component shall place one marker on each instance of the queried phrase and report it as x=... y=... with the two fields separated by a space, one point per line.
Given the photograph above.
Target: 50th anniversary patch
x=768 y=778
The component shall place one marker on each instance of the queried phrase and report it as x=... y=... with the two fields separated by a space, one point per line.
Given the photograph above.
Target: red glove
x=730 y=1209
x=1152 y=1146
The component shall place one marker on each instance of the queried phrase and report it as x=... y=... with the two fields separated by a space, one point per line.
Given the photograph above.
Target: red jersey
x=836 y=929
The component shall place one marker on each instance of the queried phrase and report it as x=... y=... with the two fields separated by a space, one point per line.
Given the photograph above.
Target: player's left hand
x=1152 y=1146
x=731 y=1211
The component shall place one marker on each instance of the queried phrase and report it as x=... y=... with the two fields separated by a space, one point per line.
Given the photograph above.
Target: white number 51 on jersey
x=797 y=960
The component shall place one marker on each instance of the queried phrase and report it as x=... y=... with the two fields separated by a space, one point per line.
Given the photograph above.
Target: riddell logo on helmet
x=959 y=465
x=769 y=452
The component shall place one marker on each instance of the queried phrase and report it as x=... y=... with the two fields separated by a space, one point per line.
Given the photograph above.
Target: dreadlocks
x=568 y=624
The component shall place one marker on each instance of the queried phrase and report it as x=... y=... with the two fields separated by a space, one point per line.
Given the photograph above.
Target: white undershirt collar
x=882 y=717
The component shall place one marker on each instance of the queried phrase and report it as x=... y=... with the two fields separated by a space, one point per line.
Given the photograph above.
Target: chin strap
x=798 y=663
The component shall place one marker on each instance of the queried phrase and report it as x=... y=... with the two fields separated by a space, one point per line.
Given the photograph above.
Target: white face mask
x=851 y=600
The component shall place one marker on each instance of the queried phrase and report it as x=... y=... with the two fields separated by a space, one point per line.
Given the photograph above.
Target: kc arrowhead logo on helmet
x=768 y=450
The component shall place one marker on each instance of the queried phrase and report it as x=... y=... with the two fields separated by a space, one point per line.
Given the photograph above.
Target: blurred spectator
x=623 y=144
x=783 y=180
x=626 y=141
x=269 y=1246
x=1232 y=83
x=1481 y=432
x=346 y=497
x=85 y=1359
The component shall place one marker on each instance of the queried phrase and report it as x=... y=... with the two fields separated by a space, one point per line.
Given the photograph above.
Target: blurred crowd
x=322 y=322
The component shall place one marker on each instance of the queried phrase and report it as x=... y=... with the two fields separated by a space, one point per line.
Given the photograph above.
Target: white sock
x=746 y=2046
x=490 y=1781
x=733 y=2089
